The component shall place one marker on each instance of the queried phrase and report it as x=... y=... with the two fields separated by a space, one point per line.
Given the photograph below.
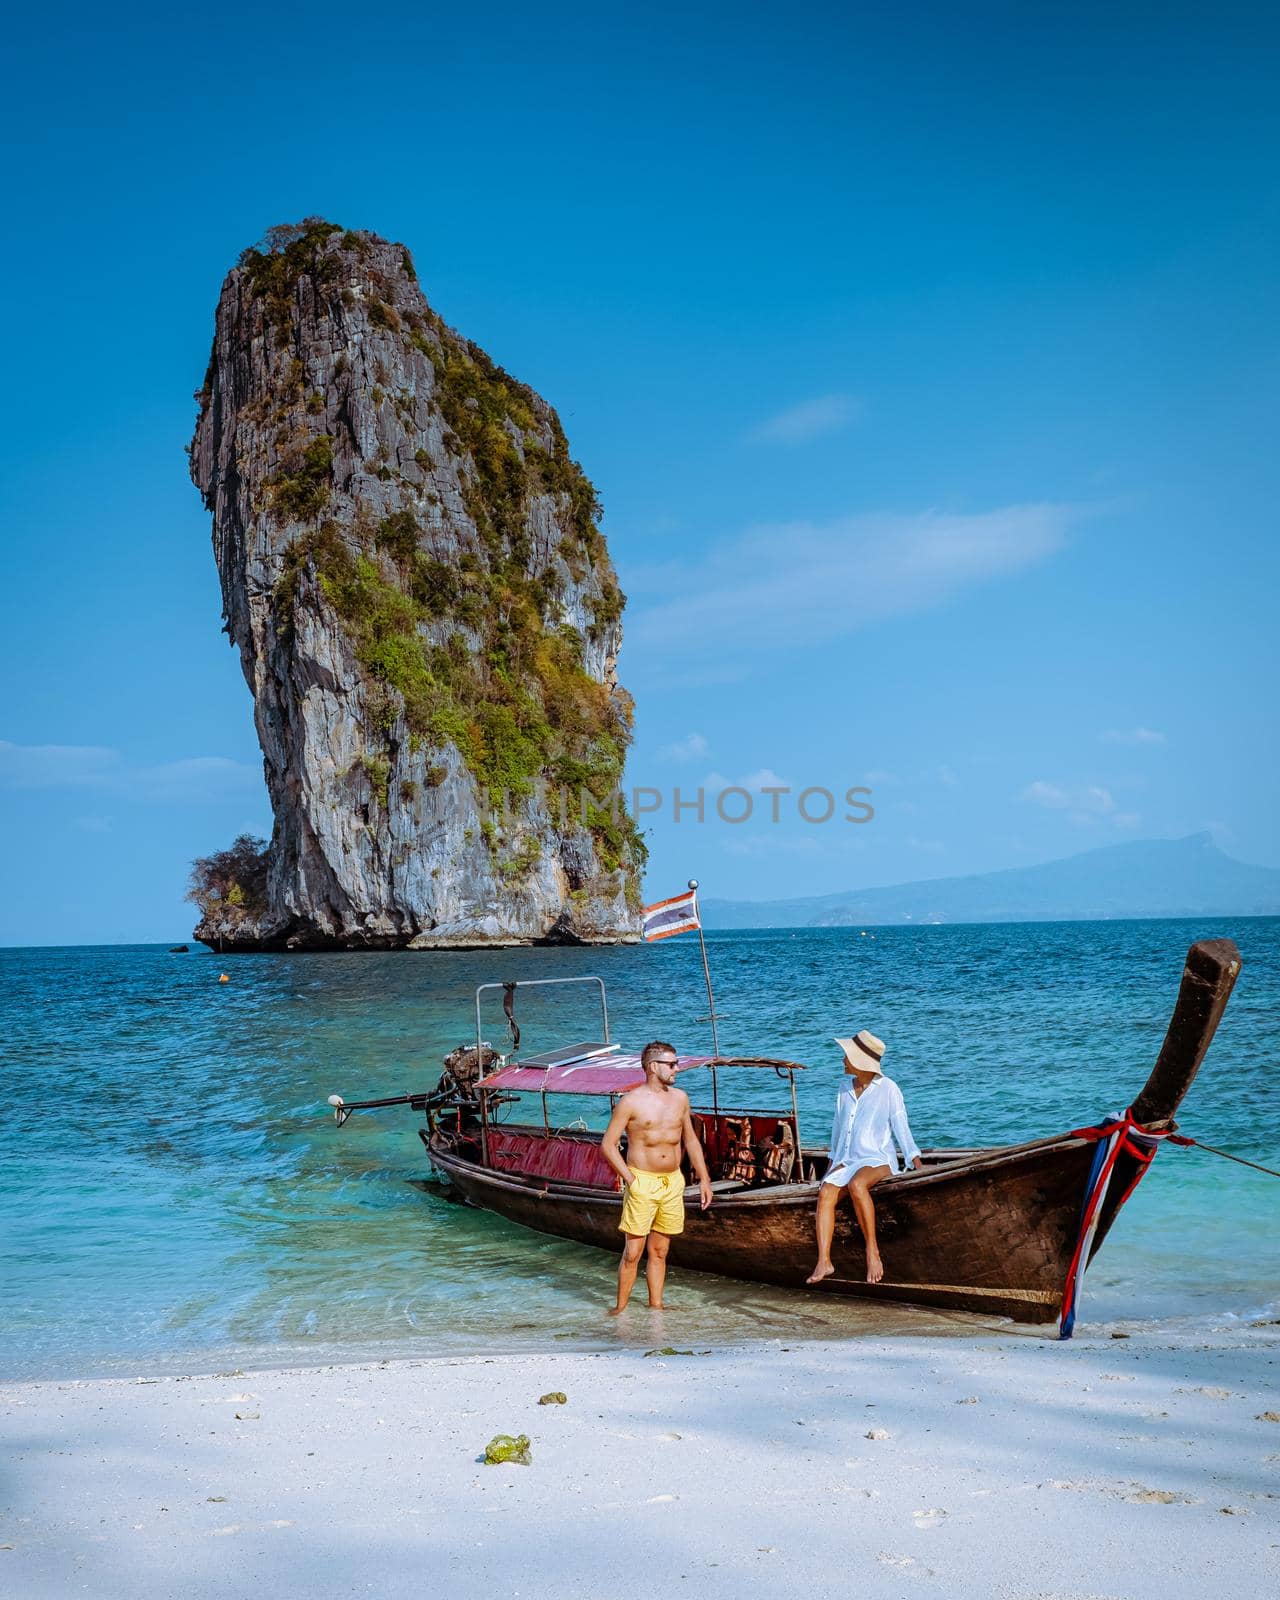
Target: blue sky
x=926 y=365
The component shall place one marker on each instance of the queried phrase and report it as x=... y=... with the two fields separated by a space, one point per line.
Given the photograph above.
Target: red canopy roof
x=597 y=1075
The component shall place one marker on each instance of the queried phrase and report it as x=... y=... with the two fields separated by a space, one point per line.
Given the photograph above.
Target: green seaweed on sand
x=504 y=1447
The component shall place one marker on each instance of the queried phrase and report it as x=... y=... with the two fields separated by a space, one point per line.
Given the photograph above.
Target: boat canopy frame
x=510 y=987
x=554 y=1076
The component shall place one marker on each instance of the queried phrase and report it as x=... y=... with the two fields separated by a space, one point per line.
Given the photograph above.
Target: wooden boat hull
x=990 y=1233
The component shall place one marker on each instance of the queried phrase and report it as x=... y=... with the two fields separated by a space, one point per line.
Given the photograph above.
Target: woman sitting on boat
x=870 y=1118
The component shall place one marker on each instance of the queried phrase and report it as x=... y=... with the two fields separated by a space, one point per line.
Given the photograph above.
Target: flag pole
x=711 y=999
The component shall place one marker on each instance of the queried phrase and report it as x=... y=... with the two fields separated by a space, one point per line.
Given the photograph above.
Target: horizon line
x=197 y=947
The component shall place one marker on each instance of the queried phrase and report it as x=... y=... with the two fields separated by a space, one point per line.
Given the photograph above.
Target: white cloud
x=57 y=766
x=765 y=778
x=773 y=844
x=98 y=767
x=197 y=778
x=690 y=748
x=1084 y=804
x=826 y=413
x=800 y=583
x=836 y=846
x=753 y=782
x=1133 y=736
x=1092 y=797
x=1045 y=794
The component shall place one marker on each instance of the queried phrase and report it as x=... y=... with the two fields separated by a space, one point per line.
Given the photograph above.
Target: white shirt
x=867 y=1125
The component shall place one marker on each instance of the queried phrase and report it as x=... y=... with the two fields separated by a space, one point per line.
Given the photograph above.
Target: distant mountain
x=1148 y=878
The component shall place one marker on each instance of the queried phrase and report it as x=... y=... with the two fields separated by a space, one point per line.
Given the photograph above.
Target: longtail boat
x=1006 y=1230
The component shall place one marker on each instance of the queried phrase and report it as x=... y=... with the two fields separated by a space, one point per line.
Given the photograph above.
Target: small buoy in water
x=222 y=978
x=863 y=934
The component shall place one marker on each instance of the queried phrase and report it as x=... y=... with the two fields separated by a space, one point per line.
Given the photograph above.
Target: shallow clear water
x=174 y=1193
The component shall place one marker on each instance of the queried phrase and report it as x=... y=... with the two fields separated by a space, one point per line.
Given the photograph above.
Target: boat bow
x=1207 y=981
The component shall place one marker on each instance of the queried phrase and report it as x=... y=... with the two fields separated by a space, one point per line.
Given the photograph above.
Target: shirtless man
x=655 y=1119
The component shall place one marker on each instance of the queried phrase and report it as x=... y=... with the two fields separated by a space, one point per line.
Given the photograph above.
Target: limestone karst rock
x=426 y=614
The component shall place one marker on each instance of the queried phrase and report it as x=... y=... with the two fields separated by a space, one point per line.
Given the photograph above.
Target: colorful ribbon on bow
x=1115 y=1136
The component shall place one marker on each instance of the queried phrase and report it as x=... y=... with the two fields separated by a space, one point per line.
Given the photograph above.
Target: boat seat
x=717 y=1133
x=562 y=1160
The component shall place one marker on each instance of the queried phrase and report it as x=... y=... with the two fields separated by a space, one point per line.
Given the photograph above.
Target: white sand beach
x=1010 y=1465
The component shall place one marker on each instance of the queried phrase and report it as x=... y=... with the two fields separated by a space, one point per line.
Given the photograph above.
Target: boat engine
x=463 y=1069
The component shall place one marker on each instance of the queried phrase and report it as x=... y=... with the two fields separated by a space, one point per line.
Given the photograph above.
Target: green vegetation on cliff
x=520 y=710
x=303 y=489
x=283 y=256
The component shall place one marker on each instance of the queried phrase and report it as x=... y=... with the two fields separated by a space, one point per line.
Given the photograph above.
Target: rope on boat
x=1181 y=1138
x=1114 y=1136
x=509 y=1008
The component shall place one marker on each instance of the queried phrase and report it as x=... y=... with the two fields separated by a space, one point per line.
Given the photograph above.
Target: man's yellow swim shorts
x=653 y=1203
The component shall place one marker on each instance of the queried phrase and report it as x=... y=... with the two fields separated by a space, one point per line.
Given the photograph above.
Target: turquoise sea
x=174 y=1194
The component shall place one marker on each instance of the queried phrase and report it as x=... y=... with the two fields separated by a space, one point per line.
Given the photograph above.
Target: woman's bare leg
x=824 y=1227
x=865 y=1210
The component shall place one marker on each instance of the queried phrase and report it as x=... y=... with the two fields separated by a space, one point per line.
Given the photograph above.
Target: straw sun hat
x=863 y=1050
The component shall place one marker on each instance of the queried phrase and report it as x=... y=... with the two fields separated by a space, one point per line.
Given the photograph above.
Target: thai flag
x=668 y=917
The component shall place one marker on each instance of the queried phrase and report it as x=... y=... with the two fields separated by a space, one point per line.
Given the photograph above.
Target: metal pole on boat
x=711 y=1000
